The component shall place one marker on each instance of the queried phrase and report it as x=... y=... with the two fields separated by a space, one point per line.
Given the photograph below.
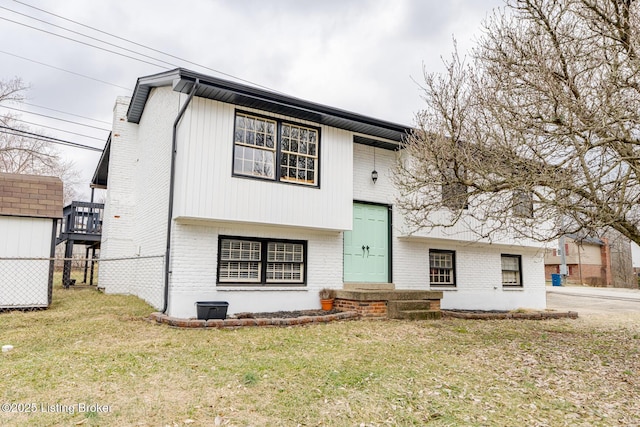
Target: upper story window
x=272 y=149
x=454 y=193
x=522 y=202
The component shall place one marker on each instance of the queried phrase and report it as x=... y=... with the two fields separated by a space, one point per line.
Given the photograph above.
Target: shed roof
x=30 y=195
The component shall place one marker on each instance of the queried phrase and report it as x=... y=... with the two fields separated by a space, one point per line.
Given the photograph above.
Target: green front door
x=366 y=247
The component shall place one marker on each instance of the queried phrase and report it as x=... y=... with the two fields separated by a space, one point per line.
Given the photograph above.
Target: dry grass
x=98 y=349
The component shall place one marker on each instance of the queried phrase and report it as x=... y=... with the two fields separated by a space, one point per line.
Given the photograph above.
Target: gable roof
x=30 y=195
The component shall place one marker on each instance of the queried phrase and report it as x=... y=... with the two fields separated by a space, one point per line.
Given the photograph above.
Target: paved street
x=593 y=301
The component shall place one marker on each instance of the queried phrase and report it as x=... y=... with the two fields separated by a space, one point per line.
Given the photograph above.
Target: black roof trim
x=386 y=145
x=247 y=96
x=101 y=173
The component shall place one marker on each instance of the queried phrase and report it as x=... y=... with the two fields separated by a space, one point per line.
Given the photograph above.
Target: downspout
x=172 y=179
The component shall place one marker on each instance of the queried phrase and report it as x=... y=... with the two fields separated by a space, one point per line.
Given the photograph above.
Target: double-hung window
x=255 y=261
x=511 y=270
x=454 y=192
x=269 y=148
x=522 y=201
x=442 y=268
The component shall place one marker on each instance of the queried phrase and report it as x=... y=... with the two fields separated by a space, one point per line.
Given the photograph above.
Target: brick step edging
x=238 y=323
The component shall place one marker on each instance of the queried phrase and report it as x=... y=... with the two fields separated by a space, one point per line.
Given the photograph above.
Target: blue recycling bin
x=556 y=280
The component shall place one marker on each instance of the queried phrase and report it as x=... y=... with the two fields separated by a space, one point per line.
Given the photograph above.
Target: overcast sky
x=364 y=56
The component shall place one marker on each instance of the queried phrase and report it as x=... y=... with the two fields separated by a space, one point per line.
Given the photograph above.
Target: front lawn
x=93 y=359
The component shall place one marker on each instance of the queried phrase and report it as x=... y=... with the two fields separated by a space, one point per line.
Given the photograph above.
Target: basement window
x=511 y=270
x=256 y=261
x=442 y=268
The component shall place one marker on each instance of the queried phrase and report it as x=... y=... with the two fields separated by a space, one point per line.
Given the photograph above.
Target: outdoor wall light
x=374 y=173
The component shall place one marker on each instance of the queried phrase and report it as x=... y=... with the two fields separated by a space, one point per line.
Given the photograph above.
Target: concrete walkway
x=587 y=300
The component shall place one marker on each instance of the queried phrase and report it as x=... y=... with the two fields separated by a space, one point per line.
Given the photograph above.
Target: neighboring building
x=592 y=261
x=271 y=198
x=30 y=207
x=621 y=260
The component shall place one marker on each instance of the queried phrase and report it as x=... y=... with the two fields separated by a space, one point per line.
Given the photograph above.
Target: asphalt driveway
x=593 y=301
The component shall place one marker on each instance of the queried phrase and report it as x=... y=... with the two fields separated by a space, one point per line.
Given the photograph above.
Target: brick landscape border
x=346 y=315
x=537 y=315
x=238 y=323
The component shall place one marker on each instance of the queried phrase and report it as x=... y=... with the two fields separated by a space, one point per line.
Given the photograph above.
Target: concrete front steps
x=419 y=309
x=383 y=301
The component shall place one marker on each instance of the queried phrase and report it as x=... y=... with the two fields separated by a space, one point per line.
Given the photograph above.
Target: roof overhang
x=367 y=130
x=372 y=131
x=101 y=173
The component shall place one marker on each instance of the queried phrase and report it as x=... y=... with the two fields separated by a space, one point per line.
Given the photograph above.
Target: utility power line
x=66 y=71
x=81 y=42
x=24 y=134
x=58 y=129
x=55 y=118
x=65 y=112
x=147 y=47
x=87 y=36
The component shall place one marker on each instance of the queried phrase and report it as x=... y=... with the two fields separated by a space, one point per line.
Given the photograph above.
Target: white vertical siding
x=25 y=237
x=24 y=283
x=206 y=189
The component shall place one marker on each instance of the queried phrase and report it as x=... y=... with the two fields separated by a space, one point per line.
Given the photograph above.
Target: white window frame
x=442 y=270
x=251 y=146
x=261 y=261
x=239 y=261
x=277 y=150
x=506 y=281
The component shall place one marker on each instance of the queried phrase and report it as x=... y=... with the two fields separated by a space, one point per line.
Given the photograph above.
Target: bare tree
x=23 y=154
x=548 y=107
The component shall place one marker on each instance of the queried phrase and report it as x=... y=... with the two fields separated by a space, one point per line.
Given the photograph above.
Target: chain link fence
x=29 y=283
x=140 y=276
x=26 y=283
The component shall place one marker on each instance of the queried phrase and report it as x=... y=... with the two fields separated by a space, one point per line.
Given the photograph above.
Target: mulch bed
x=494 y=315
x=280 y=318
x=284 y=314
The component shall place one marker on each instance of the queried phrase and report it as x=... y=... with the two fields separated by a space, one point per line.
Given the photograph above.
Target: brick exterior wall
x=135 y=224
x=135 y=215
x=194 y=265
x=590 y=272
x=30 y=195
x=605 y=254
x=366 y=309
x=478 y=265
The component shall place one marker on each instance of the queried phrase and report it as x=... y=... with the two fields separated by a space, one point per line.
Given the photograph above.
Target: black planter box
x=212 y=309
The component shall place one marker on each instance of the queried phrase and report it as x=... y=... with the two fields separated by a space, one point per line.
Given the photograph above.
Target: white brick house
x=270 y=198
